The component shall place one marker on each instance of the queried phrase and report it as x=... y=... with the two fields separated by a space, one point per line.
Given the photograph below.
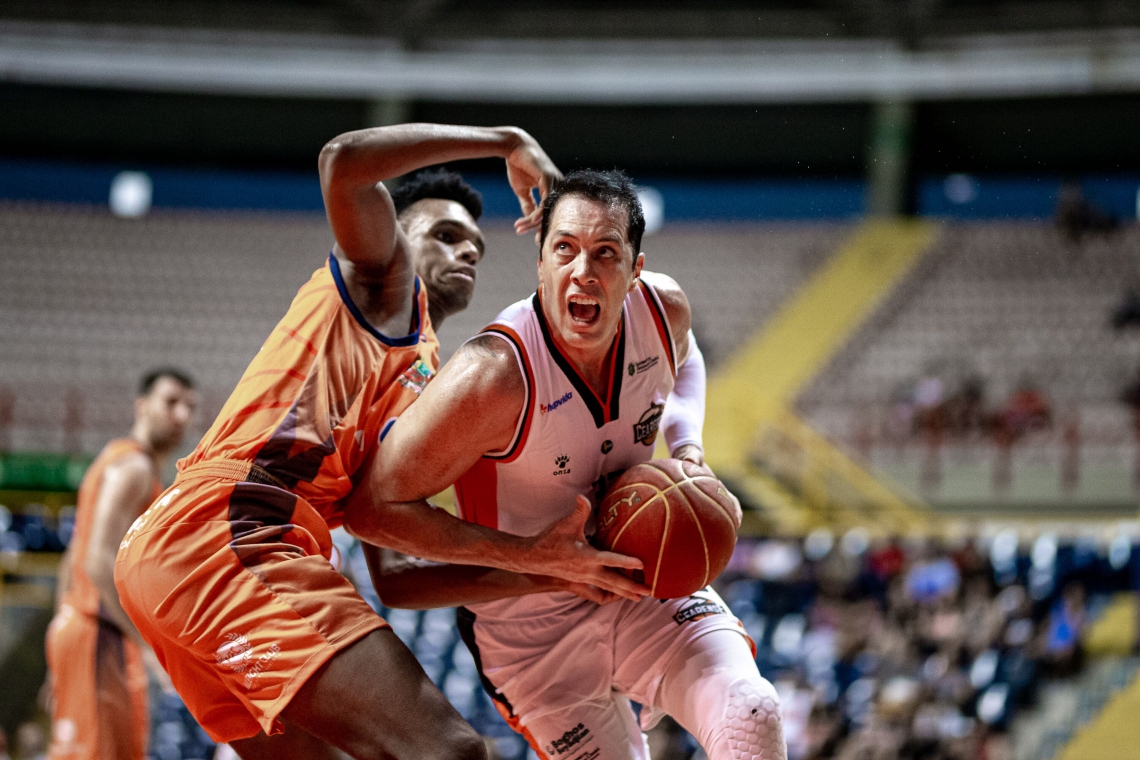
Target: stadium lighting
x=131 y=194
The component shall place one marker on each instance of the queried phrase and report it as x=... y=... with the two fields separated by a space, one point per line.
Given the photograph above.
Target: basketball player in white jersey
x=561 y=392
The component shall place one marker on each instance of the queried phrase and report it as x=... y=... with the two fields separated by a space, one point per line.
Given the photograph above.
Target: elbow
x=396 y=596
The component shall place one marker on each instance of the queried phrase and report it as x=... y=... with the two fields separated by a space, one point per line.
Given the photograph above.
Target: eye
x=606 y=253
x=446 y=237
x=562 y=247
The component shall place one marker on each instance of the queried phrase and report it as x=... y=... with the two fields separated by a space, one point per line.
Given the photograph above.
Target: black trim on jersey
x=657 y=307
x=528 y=404
x=593 y=403
x=465 y=622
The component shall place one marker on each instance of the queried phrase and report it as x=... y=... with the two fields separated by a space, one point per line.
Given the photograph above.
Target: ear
x=638 y=264
x=140 y=402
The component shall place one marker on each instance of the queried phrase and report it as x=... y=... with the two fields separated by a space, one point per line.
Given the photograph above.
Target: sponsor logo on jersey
x=607 y=446
x=697 y=609
x=561 y=465
x=416 y=377
x=636 y=368
x=544 y=408
x=645 y=429
x=569 y=740
x=236 y=654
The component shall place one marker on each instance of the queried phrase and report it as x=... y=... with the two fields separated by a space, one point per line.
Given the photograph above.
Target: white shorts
x=569 y=654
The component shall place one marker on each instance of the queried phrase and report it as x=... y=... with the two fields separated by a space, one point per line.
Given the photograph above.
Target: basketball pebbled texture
x=673 y=516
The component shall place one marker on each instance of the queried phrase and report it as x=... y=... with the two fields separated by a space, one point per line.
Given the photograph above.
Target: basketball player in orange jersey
x=98 y=664
x=228 y=576
x=559 y=393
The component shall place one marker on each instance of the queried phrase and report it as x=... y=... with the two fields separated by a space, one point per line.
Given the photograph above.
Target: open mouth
x=584 y=310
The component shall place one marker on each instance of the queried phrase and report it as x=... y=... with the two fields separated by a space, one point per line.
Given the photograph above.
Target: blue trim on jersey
x=410 y=339
x=387 y=427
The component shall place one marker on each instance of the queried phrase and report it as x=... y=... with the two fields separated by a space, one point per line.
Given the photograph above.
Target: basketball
x=676 y=518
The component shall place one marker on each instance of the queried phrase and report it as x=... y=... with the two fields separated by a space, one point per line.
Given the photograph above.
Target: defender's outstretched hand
x=529 y=169
x=562 y=551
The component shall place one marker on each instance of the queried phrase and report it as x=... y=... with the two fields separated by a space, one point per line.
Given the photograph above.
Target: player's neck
x=157 y=456
x=593 y=365
x=386 y=299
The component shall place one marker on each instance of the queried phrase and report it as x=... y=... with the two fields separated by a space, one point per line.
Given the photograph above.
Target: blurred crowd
x=917 y=649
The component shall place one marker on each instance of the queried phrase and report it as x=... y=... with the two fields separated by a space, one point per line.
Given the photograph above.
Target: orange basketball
x=673 y=516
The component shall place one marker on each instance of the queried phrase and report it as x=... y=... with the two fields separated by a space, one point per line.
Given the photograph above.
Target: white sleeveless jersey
x=568 y=440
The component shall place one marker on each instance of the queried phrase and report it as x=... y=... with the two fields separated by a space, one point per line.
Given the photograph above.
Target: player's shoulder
x=132 y=469
x=490 y=365
x=672 y=298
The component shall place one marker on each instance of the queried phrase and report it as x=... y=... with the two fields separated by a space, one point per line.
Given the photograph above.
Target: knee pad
x=753 y=729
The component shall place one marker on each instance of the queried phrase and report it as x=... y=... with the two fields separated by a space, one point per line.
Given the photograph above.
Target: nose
x=467 y=253
x=583 y=271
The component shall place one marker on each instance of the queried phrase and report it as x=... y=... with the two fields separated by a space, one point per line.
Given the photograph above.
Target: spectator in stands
x=964 y=410
x=1027 y=409
x=1076 y=216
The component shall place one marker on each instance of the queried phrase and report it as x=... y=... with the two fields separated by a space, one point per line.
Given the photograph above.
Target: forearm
x=109 y=602
x=408 y=583
x=684 y=416
x=368 y=156
x=420 y=530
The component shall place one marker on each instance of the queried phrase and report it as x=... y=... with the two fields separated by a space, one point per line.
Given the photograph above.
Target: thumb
x=580 y=515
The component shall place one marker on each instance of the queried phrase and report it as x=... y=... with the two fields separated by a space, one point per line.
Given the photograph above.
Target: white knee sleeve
x=715 y=692
x=752 y=726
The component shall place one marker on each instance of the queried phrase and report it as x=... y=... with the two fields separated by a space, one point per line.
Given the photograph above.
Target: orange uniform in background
x=98 y=679
x=227 y=575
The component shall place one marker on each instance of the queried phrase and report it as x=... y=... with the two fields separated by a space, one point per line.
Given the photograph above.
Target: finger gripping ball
x=673 y=516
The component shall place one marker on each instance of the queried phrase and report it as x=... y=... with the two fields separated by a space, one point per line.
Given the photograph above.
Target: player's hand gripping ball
x=676 y=518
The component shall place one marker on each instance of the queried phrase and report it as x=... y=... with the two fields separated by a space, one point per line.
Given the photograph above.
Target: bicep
x=470 y=408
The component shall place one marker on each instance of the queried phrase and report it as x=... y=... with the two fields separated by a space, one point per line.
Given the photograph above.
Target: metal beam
x=632 y=72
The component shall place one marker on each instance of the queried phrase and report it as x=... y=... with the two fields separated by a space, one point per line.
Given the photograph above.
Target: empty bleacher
x=1008 y=303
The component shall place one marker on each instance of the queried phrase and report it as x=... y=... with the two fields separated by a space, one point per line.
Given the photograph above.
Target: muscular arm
x=353 y=165
x=410 y=583
x=125 y=493
x=471 y=408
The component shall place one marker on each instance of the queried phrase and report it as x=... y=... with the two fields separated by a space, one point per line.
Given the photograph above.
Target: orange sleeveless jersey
x=312 y=406
x=81 y=593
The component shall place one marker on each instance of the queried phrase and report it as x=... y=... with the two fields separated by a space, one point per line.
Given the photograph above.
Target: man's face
x=446 y=245
x=166 y=410
x=587 y=268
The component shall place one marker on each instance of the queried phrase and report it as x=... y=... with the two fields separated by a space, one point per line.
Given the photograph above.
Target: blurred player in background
x=98 y=663
x=228 y=574
x=561 y=392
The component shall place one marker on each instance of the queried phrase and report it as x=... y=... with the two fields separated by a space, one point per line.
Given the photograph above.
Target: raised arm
x=469 y=409
x=353 y=166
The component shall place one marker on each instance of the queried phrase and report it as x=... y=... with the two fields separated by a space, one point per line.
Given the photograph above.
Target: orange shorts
x=230 y=581
x=99 y=688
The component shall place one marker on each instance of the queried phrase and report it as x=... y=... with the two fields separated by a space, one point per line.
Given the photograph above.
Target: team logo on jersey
x=561 y=465
x=416 y=377
x=569 y=740
x=636 y=368
x=607 y=446
x=544 y=408
x=235 y=653
x=645 y=429
x=699 y=608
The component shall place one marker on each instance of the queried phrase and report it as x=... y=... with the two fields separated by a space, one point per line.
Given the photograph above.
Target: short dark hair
x=438 y=183
x=611 y=186
x=146 y=384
